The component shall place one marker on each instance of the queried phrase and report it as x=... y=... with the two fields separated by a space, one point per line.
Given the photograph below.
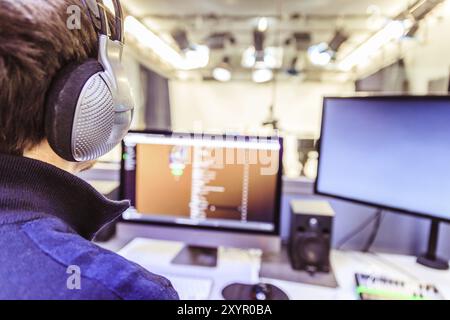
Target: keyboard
x=190 y=288
x=370 y=287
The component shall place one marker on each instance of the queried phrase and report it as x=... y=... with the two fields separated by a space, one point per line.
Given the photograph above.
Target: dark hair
x=35 y=43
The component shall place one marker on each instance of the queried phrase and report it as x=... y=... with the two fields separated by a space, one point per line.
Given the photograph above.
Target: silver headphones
x=89 y=106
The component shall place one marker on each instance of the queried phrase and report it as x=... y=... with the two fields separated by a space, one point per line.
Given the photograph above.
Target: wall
x=133 y=71
x=428 y=57
x=243 y=106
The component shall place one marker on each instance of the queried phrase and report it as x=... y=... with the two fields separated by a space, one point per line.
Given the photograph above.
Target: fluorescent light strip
x=168 y=54
x=392 y=31
x=152 y=41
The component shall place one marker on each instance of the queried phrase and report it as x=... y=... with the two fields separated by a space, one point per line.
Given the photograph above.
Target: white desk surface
x=235 y=265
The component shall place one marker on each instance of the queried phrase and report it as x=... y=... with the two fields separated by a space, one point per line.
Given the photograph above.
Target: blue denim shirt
x=47 y=219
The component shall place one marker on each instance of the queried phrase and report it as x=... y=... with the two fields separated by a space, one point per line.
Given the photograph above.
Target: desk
x=235 y=265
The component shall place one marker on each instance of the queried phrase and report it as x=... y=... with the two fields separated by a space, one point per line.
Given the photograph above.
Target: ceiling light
x=196 y=58
x=393 y=30
x=263 y=24
x=320 y=54
x=222 y=72
x=323 y=53
x=152 y=41
x=272 y=57
x=262 y=75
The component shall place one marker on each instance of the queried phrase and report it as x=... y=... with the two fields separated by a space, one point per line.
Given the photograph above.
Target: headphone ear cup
x=62 y=100
x=96 y=120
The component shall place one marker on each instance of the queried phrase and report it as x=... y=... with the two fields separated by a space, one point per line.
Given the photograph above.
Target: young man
x=47 y=215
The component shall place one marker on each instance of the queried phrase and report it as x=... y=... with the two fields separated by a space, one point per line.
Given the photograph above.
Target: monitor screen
x=391 y=152
x=208 y=181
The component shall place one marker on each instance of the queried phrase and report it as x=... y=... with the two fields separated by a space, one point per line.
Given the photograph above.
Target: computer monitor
x=204 y=190
x=391 y=152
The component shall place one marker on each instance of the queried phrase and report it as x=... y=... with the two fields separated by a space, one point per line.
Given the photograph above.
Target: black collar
x=29 y=188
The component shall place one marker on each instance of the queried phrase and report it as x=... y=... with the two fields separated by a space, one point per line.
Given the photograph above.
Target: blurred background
x=256 y=66
x=263 y=66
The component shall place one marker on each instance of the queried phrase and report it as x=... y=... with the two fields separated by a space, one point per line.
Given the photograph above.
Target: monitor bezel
x=277 y=214
x=357 y=201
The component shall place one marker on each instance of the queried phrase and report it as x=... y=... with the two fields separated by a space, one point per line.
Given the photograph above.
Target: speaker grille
x=312 y=249
x=93 y=122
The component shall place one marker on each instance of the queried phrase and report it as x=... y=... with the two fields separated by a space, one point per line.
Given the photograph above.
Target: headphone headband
x=119 y=23
x=98 y=8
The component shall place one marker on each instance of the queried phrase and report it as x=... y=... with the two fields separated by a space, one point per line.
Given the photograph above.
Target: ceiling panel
x=320 y=18
x=260 y=7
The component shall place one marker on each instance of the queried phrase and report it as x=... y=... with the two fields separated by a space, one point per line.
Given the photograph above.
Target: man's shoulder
x=122 y=277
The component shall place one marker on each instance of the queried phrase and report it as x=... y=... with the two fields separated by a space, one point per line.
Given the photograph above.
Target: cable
x=374 y=233
x=356 y=231
x=272 y=120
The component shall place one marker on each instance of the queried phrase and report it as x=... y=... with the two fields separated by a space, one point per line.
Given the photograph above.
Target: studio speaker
x=310 y=235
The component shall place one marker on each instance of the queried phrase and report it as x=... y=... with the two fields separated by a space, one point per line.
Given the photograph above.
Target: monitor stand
x=429 y=258
x=196 y=256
